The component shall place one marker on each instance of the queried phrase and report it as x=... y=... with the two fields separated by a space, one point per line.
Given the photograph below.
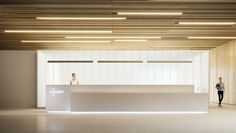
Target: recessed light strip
x=81 y=18
x=58 y=31
x=207 y=23
x=131 y=40
x=63 y=41
x=211 y=37
x=150 y=13
x=112 y=37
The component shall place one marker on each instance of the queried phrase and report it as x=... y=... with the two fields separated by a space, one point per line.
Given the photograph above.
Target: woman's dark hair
x=73 y=74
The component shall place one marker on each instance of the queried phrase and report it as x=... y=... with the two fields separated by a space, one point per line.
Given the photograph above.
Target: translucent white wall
x=201 y=72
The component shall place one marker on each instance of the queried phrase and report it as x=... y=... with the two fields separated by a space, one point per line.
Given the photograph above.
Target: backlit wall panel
x=166 y=67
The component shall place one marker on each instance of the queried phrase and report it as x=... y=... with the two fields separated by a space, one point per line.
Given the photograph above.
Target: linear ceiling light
x=149 y=13
x=131 y=40
x=211 y=37
x=112 y=37
x=58 y=31
x=81 y=18
x=63 y=41
x=207 y=23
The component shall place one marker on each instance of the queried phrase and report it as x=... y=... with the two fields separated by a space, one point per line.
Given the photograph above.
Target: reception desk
x=125 y=98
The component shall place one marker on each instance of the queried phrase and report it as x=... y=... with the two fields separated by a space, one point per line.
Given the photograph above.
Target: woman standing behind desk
x=74 y=80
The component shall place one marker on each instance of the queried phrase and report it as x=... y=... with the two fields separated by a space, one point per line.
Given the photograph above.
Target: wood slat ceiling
x=21 y=15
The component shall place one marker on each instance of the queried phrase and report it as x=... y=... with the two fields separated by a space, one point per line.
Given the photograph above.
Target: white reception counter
x=125 y=98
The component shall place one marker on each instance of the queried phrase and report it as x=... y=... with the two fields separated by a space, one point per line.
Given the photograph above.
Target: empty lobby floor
x=218 y=120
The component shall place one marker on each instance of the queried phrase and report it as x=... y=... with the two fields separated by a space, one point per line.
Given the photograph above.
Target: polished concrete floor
x=218 y=120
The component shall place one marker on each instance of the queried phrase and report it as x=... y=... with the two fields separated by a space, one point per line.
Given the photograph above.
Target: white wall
x=201 y=72
x=126 y=73
x=42 y=78
x=121 y=73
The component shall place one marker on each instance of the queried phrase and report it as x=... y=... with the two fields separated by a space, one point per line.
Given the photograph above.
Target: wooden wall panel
x=231 y=72
x=225 y=69
x=223 y=63
x=234 y=91
x=213 y=73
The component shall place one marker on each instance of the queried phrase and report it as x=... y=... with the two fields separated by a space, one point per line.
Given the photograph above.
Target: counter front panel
x=118 y=98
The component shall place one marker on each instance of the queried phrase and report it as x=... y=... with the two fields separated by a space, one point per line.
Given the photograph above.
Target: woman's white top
x=74 y=82
x=222 y=86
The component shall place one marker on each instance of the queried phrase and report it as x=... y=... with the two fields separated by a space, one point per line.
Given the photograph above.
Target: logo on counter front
x=55 y=92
